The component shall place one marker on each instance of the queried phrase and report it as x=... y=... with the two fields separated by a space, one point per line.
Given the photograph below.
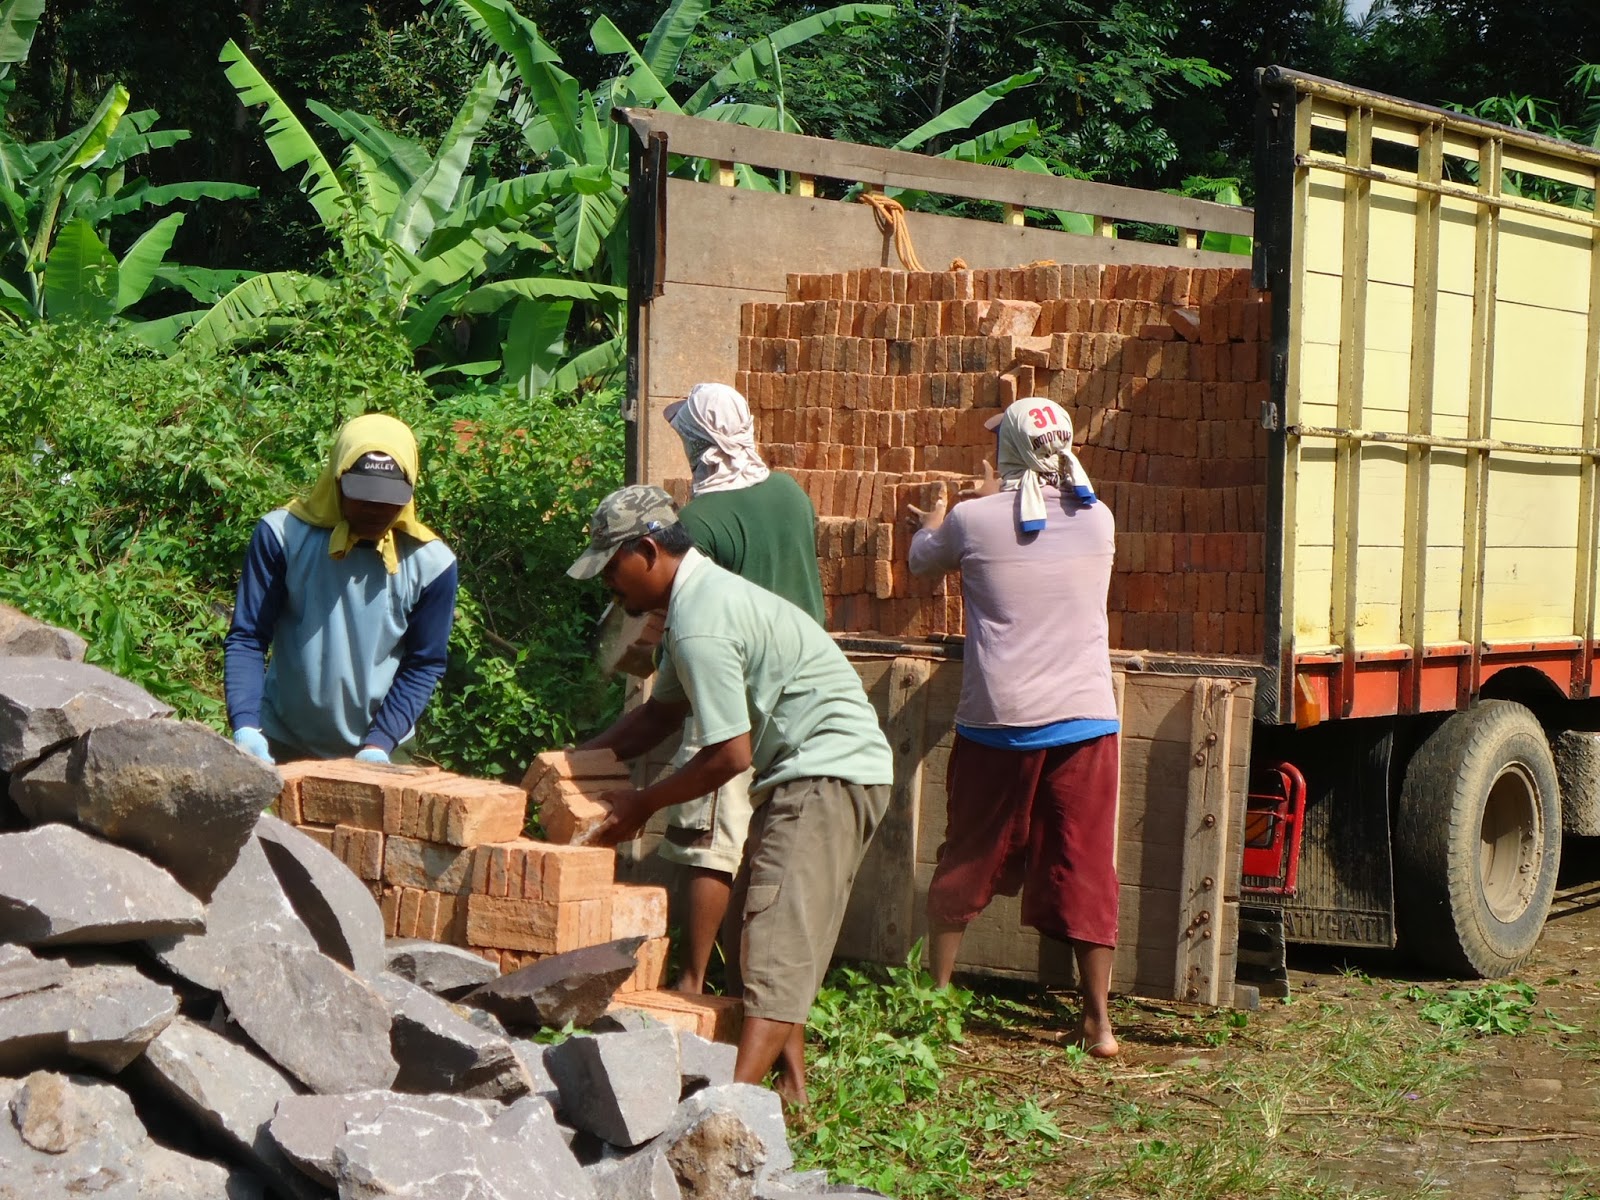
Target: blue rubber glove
x=252 y=742
x=372 y=754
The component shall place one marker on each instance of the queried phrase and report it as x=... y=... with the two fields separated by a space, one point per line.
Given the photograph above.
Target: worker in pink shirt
x=1033 y=774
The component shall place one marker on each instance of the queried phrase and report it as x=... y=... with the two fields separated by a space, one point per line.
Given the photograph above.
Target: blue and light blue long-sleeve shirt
x=355 y=651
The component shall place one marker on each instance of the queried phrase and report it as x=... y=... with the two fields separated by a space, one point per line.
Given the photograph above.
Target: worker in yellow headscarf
x=341 y=625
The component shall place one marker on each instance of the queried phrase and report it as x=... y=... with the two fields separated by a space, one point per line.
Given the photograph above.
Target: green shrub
x=129 y=485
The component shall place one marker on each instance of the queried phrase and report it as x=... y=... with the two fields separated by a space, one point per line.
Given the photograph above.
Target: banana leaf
x=641 y=86
x=663 y=49
x=407 y=157
x=756 y=60
x=204 y=284
x=420 y=322
x=535 y=341
x=243 y=311
x=78 y=150
x=963 y=113
x=491 y=297
x=162 y=333
x=80 y=279
x=602 y=361
x=430 y=199
x=582 y=225
x=287 y=138
x=142 y=194
x=144 y=258
x=18 y=21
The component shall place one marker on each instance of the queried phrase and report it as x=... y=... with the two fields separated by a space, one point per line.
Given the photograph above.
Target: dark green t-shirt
x=766 y=534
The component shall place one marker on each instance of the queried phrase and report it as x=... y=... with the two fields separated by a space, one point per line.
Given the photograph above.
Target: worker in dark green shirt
x=759 y=524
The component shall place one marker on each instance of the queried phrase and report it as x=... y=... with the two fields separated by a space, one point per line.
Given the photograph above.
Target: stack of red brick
x=445 y=857
x=872 y=388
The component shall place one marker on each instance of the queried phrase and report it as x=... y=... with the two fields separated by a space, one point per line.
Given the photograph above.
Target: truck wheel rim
x=1508 y=850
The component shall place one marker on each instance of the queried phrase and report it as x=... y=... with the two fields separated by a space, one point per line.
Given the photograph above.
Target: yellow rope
x=891 y=216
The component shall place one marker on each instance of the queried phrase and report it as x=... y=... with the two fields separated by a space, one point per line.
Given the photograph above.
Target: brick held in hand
x=570 y=816
x=572 y=764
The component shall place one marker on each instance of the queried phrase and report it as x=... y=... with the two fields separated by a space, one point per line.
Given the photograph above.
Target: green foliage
x=885 y=1111
x=130 y=482
x=425 y=230
x=1491 y=1008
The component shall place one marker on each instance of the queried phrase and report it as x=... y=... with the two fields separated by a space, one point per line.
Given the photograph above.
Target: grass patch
x=923 y=1093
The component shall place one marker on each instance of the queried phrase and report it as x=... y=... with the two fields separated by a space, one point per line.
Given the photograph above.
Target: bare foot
x=1096 y=1040
x=689 y=984
x=792 y=1096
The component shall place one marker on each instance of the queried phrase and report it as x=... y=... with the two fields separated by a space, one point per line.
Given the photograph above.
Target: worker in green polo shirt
x=759 y=524
x=771 y=692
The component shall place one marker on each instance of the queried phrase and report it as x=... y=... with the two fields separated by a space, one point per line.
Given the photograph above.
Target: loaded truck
x=1354 y=615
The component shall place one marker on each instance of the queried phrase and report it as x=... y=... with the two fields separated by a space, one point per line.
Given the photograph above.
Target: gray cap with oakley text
x=635 y=511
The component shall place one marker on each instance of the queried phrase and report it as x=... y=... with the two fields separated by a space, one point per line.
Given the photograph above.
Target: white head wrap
x=1036 y=449
x=719 y=437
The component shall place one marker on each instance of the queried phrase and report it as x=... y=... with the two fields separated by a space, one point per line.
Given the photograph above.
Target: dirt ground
x=1310 y=1098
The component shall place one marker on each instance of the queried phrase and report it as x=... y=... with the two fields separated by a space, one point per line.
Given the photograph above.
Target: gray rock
x=438 y=1051
x=624 y=1020
x=704 y=1064
x=102 y=1013
x=21 y=972
x=114 y=895
x=334 y=905
x=622 y=1087
x=42 y=794
x=311 y=1016
x=228 y=1091
x=408 y=1152
x=531 y=1055
x=172 y=790
x=443 y=970
x=307 y=1128
x=642 y=1175
x=23 y=637
x=248 y=907
x=727 y=1141
x=572 y=988
x=47 y=702
x=70 y=1135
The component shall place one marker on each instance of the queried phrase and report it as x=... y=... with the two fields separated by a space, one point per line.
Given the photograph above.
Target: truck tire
x=1477 y=841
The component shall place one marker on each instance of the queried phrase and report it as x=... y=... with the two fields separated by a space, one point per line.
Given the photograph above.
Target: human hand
x=372 y=754
x=253 y=742
x=628 y=816
x=987 y=486
x=930 y=518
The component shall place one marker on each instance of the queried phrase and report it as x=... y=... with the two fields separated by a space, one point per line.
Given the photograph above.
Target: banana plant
x=444 y=243
x=567 y=126
x=57 y=200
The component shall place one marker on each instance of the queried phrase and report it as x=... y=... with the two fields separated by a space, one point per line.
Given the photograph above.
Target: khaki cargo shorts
x=806 y=842
x=709 y=832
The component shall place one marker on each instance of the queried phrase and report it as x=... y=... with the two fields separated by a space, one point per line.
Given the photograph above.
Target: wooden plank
x=773 y=150
x=879 y=919
x=1197 y=965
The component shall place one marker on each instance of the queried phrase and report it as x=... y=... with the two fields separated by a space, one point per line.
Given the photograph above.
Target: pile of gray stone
x=197 y=1000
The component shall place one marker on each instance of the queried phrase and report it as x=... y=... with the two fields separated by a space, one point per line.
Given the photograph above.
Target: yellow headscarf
x=363 y=435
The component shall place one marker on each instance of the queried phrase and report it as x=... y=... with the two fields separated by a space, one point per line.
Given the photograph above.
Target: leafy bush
x=131 y=483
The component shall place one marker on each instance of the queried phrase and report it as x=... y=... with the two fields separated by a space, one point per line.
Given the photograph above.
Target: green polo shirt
x=766 y=534
x=748 y=661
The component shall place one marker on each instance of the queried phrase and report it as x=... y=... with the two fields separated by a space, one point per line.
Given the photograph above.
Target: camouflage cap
x=629 y=512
